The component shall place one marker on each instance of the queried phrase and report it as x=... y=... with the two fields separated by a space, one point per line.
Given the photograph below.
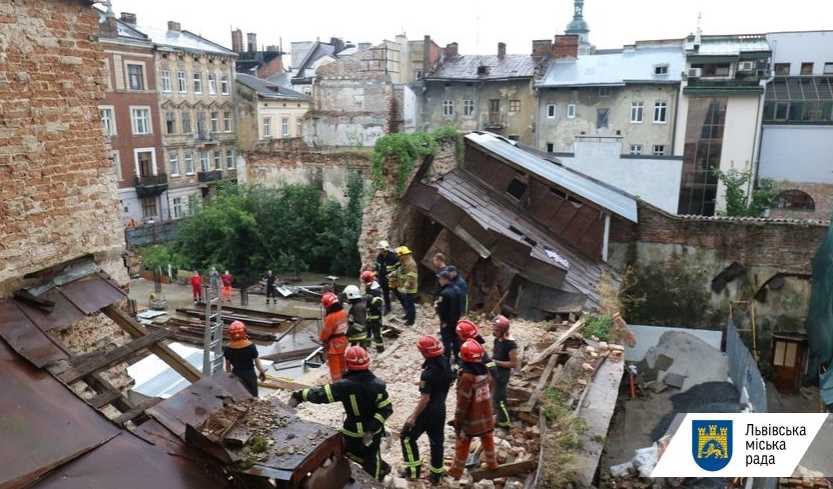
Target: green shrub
x=597 y=325
x=407 y=148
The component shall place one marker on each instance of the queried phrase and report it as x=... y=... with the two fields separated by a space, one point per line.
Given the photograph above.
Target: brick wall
x=58 y=195
x=822 y=194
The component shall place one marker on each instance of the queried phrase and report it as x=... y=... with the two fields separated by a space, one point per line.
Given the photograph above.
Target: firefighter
x=375 y=307
x=334 y=334
x=366 y=405
x=241 y=358
x=467 y=330
x=356 y=317
x=408 y=283
x=271 y=290
x=429 y=414
x=448 y=311
x=387 y=268
x=505 y=358
x=473 y=416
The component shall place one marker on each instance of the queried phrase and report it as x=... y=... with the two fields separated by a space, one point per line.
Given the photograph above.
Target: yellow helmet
x=403 y=250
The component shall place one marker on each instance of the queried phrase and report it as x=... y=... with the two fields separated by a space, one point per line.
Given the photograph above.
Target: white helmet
x=383 y=245
x=352 y=292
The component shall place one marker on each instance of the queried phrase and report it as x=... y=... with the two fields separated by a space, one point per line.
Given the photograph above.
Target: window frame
x=448 y=108
x=599 y=112
x=552 y=111
x=196 y=81
x=284 y=127
x=205 y=161
x=571 y=111
x=635 y=150
x=230 y=157
x=637 y=108
x=267 y=126
x=550 y=147
x=149 y=121
x=176 y=208
x=224 y=85
x=181 y=82
x=113 y=129
x=661 y=69
x=781 y=65
x=145 y=208
x=173 y=162
x=604 y=92
x=807 y=64
x=655 y=152
x=212 y=84
x=514 y=105
x=165 y=78
x=115 y=155
x=214 y=121
x=170 y=124
x=228 y=121
x=468 y=108
x=188 y=160
x=827 y=69
x=185 y=115
x=661 y=108
x=217 y=158
x=142 y=75
x=154 y=167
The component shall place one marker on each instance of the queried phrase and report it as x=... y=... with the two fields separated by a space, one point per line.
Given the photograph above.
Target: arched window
x=795 y=200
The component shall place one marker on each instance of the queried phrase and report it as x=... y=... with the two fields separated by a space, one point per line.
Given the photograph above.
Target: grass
x=598 y=325
x=563 y=438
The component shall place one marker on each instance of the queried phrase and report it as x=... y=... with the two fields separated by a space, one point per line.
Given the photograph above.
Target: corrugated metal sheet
x=616 y=69
x=92 y=294
x=602 y=195
x=25 y=338
x=61 y=317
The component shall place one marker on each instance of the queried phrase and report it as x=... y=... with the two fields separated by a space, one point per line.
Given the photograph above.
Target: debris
x=674 y=380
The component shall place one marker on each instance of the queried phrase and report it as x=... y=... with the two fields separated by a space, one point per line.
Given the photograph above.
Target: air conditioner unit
x=747 y=66
x=695 y=72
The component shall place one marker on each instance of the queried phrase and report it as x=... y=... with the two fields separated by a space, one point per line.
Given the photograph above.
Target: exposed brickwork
x=565 y=47
x=822 y=194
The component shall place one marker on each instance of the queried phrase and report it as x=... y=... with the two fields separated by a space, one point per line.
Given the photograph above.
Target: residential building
x=629 y=94
x=199 y=135
x=720 y=114
x=797 y=133
x=308 y=56
x=130 y=119
x=482 y=92
x=259 y=63
x=267 y=111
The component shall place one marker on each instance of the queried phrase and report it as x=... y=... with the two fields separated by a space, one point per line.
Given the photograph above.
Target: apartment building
x=266 y=110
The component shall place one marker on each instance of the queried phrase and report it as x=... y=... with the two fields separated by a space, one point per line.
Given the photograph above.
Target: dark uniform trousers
x=451 y=342
x=499 y=397
x=432 y=423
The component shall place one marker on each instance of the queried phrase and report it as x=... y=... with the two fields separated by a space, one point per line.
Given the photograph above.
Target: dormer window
x=661 y=70
x=482 y=70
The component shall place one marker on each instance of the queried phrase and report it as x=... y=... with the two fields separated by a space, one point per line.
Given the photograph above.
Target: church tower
x=578 y=26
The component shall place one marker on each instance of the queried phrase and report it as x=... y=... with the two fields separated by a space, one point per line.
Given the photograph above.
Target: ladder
x=213 y=339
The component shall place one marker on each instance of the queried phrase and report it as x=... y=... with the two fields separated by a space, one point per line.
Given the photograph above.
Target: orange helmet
x=501 y=325
x=237 y=331
x=430 y=347
x=357 y=358
x=471 y=351
x=467 y=329
x=368 y=277
x=329 y=299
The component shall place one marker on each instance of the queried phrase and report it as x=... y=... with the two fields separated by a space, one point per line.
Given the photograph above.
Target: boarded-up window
x=516 y=188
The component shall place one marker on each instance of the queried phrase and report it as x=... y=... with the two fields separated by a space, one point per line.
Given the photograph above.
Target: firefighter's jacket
x=473 y=415
x=365 y=400
x=357 y=322
x=408 y=276
x=334 y=333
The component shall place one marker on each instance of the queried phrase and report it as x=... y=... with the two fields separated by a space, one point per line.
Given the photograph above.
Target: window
x=212 y=84
x=636 y=112
x=136 y=76
x=571 y=111
x=660 y=113
x=176 y=207
x=201 y=129
x=218 y=160
x=660 y=70
x=782 y=69
x=659 y=150
x=468 y=108
x=601 y=118
x=285 y=127
x=806 y=68
x=267 y=127
x=173 y=162
x=108 y=120
x=514 y=106
x=117 y=166
x=227 y=121
x=204 y=161
x=516 y=188
x=186 y=122
x=299 y=127
x=181 y=82
x=795 y=200
x=550 y=148
x=224 y=85
x=198 y=83
x=149 y=207
x=189 y=162
x=141 y=121
x=785 y=354
x=828 y=68
x=215 y=122
x=192 y=204
x=551 y=111
x=781 y=111
x=145 y=161
x=108 y=78
x=604 y=91
x=166 y=81
x=230 y=159
x=448 y=108
x=636 y=149
x=170 y=123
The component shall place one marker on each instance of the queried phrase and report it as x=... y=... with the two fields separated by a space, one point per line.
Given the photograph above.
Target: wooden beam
x=561 y=339
x=282 y=384
x=100 y=362
x=136 y=330
x=103 y=399
x=137 y=411
x=542 y=382
x=505 y=470
x=99 y=384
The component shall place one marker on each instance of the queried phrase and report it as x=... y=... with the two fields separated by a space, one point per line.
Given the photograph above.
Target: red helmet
x=357 y=358
x=471 y=351
x=430 y=347
x=368 y=277
x=328 y=299
x=467 y=329
x=501 y=325
x=237 y=331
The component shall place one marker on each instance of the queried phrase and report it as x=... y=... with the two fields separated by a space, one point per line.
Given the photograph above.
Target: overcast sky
x=477 y=25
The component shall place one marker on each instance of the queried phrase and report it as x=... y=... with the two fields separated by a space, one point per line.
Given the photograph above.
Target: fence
x=146 y=234
x=743 y=370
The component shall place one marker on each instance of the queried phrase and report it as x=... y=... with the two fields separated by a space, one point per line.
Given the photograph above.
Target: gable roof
x=186 y=40
x=617 y=68
x=510 y=66
x=268 y=89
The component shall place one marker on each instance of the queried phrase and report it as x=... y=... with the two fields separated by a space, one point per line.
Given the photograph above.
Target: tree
x=737 y=201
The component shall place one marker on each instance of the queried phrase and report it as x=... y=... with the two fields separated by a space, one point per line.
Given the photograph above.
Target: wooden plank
x=136 y=411
x=98 y=383
x=542 y=382
x=136 y=330
x=282 y=383
x=103 y=399
x=100 y=362
x=555 y=346
x=505 y=470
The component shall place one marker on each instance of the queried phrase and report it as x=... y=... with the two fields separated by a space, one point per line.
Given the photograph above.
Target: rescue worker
x=387 y=267
x=356 y=317
x=375 y=307
x=505 y=353
x=429 y=414
x=241 y=357
x=473 y=416
x=334 y=334
x=448 y=311
x=462 y=289
x=467 y=330
x=366 y=405
x=196 y=287
x=271 y=291
x=214 y=280
x=439 y=261
x=408 y=283
x=227 y=281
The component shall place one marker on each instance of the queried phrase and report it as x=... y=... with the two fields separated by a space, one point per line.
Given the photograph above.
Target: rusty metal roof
x=25 y=338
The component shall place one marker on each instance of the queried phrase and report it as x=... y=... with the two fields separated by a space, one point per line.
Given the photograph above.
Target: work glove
x=367 y=439
x=296 y=398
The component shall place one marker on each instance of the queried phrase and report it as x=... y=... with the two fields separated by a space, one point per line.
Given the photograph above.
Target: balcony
x=151 y=185
x=210 y=176
x=723 y=87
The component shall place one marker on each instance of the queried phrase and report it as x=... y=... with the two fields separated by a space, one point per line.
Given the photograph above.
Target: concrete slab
x=648 y=336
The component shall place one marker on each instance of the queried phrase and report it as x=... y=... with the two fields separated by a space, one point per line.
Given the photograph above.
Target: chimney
x=128 y=18
x=451 y=50
x=252 y=40
x=337 y=43
x=565 y=46
x=237 y=41
x=174 y=26
x=501 y=50
x=541 y=48
x=426 y=55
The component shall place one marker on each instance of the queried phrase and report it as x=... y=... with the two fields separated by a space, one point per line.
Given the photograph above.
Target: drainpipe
x=759 y=131
x=676 y=116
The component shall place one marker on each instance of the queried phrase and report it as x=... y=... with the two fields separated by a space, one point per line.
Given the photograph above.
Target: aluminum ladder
x=213 y=338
